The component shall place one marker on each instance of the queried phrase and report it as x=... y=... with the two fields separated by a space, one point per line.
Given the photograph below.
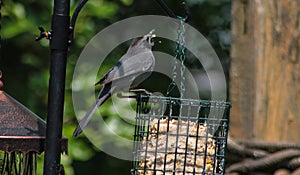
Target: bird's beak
x=151 y=32
x=152 y=35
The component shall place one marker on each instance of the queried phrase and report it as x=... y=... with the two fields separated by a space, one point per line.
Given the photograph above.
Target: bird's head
x=144 y=41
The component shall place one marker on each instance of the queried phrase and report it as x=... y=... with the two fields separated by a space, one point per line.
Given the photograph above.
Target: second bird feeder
x=22 y=137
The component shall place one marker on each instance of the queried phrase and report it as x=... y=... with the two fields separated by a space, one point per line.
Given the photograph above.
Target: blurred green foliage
x=25 y=63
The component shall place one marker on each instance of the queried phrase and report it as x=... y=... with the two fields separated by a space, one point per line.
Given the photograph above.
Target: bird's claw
x=136 y=91
x=141 y=91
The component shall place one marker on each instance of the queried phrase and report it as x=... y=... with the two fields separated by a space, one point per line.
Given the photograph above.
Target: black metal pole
x=59 y=48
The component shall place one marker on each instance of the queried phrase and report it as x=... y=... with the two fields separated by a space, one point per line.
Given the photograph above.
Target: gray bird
x=132 y=69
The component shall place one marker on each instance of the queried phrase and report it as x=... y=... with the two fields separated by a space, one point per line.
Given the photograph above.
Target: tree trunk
x=265 y=70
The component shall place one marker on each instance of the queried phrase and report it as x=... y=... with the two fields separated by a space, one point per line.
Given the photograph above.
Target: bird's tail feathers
x=90 y=113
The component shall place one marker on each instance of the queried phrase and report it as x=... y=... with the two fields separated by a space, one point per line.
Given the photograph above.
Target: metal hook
x=186 y=11
x=171 y=13
x=73 y=20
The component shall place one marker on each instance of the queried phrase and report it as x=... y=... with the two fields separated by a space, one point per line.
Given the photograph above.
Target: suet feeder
x=180 y=136
x=176 y=136
x=22 y=137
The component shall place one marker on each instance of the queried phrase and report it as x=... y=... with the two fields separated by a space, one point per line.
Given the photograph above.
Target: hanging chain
x=179 y=55
x=182 y=57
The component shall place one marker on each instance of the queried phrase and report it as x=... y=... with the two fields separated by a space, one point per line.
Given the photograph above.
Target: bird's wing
x=129 y=66
x=103 y=79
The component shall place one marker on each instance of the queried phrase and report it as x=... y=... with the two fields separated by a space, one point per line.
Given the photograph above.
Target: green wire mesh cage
x=180 y=136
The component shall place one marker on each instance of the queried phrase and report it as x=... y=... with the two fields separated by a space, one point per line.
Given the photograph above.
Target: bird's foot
x=136 y=91
x=140 y=91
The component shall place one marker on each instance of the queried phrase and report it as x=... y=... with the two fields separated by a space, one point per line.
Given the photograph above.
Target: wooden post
x=265 y=70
